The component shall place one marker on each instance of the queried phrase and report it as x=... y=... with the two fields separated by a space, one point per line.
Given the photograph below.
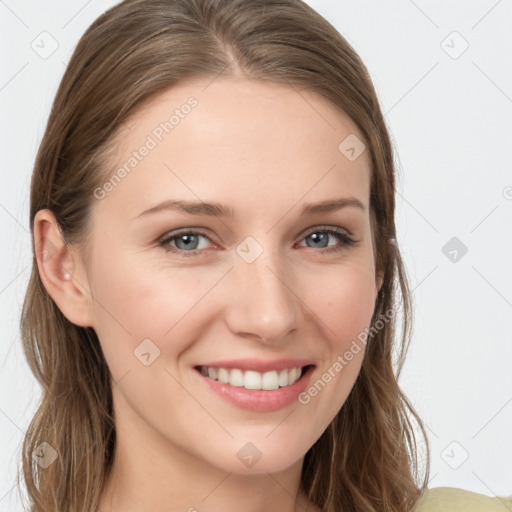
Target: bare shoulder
x=451 y=499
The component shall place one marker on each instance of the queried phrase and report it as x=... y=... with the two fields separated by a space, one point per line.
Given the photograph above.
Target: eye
x=320 y=238
x=188 y=243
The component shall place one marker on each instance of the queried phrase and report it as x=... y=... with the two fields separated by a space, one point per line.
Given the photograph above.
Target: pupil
x=317 y=237
x=187 y=239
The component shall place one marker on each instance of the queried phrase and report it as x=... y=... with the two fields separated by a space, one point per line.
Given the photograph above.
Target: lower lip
x=259 y=400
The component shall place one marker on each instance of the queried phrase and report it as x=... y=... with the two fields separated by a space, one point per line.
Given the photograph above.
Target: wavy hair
x=368 y=459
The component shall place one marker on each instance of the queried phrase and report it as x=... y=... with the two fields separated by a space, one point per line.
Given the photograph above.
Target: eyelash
x=346 y=241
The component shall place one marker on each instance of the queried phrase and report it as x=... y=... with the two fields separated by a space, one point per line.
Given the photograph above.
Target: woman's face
x=264 y=289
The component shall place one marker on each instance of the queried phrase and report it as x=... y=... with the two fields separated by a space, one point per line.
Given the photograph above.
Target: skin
x=265 y=150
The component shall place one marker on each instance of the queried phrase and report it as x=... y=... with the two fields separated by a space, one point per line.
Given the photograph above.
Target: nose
x=263 y=303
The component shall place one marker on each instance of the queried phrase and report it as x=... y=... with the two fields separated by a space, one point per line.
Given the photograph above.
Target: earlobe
x=60 y=270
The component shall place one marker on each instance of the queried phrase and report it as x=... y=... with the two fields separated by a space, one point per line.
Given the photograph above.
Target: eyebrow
x=216 y=209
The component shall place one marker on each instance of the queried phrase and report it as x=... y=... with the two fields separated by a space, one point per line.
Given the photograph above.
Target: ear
x=61 y=270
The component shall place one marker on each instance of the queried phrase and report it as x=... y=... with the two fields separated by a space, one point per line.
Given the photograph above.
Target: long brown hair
x=368 y=458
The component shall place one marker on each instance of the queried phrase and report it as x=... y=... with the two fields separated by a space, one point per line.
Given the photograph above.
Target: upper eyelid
x=326 y=227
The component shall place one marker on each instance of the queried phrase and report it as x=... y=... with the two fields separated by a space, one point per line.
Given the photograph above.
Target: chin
x=260 y=455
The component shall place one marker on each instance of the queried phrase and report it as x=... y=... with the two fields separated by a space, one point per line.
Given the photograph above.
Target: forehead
x=239 y=139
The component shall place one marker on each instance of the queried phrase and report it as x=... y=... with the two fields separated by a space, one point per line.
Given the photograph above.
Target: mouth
x=254 y=380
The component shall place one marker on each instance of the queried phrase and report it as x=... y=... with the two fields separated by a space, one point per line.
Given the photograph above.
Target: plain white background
x=443 y=74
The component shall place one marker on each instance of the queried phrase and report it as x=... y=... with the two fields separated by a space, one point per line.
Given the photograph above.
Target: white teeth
x=236 y=378
x=223 y=376
x=269 y=381
x=253 y=380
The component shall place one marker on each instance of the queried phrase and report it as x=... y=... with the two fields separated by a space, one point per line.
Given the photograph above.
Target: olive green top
x=451 y=499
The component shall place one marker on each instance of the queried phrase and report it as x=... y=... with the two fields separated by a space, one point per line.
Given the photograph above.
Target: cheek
x=344 y=302
x=345 y=305
x=145 y=318
x=134 y=300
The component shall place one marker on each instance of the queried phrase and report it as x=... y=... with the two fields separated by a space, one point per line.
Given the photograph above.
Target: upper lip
x=259 y=365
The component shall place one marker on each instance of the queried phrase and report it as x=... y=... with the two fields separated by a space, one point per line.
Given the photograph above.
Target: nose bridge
x=265 y=305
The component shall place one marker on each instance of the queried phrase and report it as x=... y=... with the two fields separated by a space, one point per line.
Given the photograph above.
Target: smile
x=258 y=391
x=253 y=380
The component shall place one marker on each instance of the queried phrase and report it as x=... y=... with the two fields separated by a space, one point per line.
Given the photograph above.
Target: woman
x=211 y=308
